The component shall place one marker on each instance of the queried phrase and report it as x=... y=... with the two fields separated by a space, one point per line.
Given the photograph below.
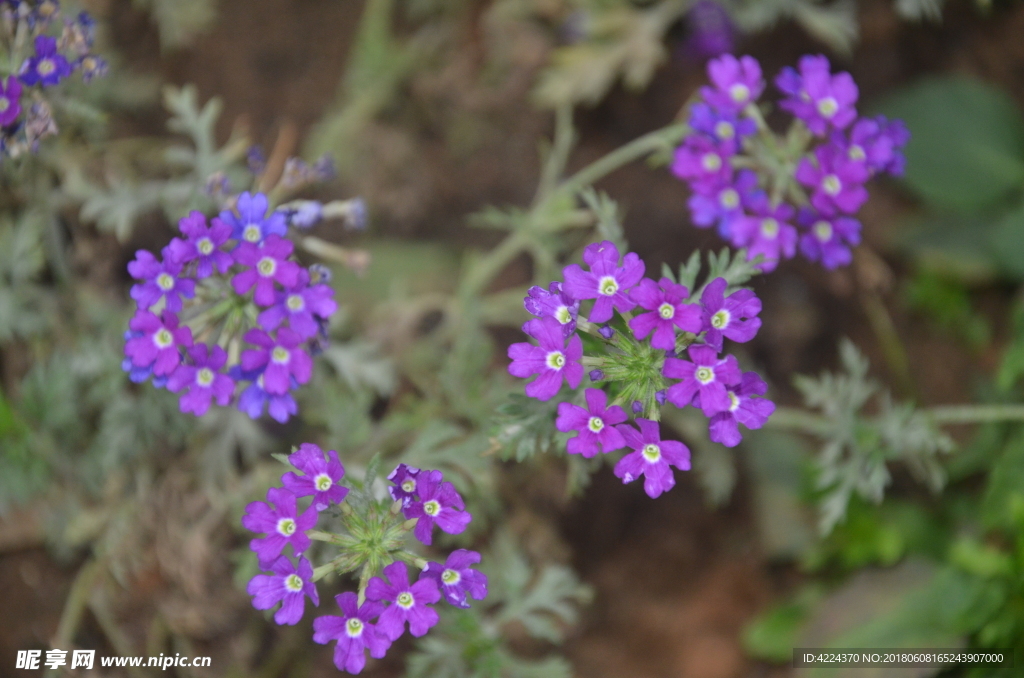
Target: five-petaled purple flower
x=552 y=360
x=158 y=343
x=703 y=163
x=438 y=503
x=664 y=302
x=268 y=263
x=255 y=397
x=553 y=302
x=406 y=482
x=202 y=245
x=282 y=524
x=827 y=239
x=321 y=478
x=722 y=205
x=10 y=101
x=289 y=585
x=607 y=282
x=822 y=100
x=767 y=233
x=302 y=305
x=161 y=281
x=737 y=82
x=408 y=603
x=47 y=66
x=203 y=379
x=596 y=424
x=353 y=631
x=456 y=579
x=734 y=316
x=706 y=375
x=744 y=409
x=652 y=457
x=252 y=224
x=835 y=179
x=282 y=357
x=726 y=128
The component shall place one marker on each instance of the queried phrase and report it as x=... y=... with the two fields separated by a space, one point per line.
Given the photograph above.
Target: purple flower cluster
x=773 y=195
x=379 y=614
x=219 y=276
x=662 y=315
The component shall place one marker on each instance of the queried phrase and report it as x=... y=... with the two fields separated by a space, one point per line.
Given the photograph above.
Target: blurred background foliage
x=881 y=508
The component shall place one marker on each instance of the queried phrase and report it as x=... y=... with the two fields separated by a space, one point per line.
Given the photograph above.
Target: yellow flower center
x=828 y=107
x=831 y=184
x=204 y=377
x=739 y=93
x=293 y=583
x=205 y=246
x=163 y=338
x=769 y=228
x=323 y=482
x=286 y=526
x=651 y=452
x=724 y=130
x=595 y=424
x=608 y=286
x=711 y=162
x=280 y=355
x=555 y=360
x=721 y=319
x=705 y=375
x=729 y=198
x=823 y=231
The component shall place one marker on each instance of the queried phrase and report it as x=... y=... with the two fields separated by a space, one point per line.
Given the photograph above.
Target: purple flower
x=321 y=478
x=723 y=205
x=664 y=301
x=744 y=409
x=606 y=281
x=734 y=316
x=252 y=224
x=203 y=380
x=438 y=503
x=768 y=233
x=706 y=375
x=10 y=101
x=835 y=179
x=737 y=82
x=552 y=360
x=827 y=239
x=280 y=406
x=408 y=603
x=161 y=281
x=555 y=303
x=268 y=263
x=353 y=631
x=301 y=305
x=158 y=341
x=46 y=67
x=282 y=357
x=726 y=128
x=596 y=424
x=817 y=97
x=711 y=31
x=703 y=163
x=289 y=584
x=405 y=479
x=202 y=245
x=652 y=458
x=283 y=525
x=456 y=579
x=876 y=142
x=92 y=67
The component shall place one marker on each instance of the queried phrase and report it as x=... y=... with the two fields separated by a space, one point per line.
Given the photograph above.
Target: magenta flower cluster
x=226 y=311
x=772 y=194
x=377 y=616
x=660 y=318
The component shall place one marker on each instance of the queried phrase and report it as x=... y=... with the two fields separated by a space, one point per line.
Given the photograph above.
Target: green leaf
x=1006 y=242
x=967 y=148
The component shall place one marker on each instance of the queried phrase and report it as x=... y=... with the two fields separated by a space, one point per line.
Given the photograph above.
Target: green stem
x=975 y=414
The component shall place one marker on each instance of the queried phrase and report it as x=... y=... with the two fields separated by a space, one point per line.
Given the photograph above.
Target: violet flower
x=456 y=579
x=821 y=100
x=301 y=305
x=711 y=30
x=202 y=245
x=268 y=263
x=744 y=409
x=706 y=375
x=283 y=525
x=607 y=282
x=353 y=631
x=289 y=585
x=652 y=458
x=723 y=205
x=158 y=343
x=160 y=281
x=203 y=380
x=408 y=603
x=252 y=224
x=596 y=424
x=827 y=239
x=727 y=129
x=703 y=163
x=439 y=504
x=552 y=360
x=767 y=233
x=47 y=66
x=252 y=401
x=737 y=82
x=734 y=316
x=10 y=101
x=406 y=483
x=321 y=478
x=664 y=302
x=282 y=356
x=553 y=302
x=835 y=179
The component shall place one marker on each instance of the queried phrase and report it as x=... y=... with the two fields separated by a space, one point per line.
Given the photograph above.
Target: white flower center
x=45 y=67
x=828 y=107
x=205 y=246
x=252 y=233
x=204 y=377
x=595 y=424
x=608 y=286
x=286 y=526
x=293 y=583
x=563 y=315
x=354 y=628
x=555 y=360
x=831 y=184
x=705 y=375
x=432 y=507
x=734 y=401
x=280 y=355
x=451 y=577
x=711 y=162
x=856 y=153
x=295 y=302
x=739 y=92
x=163 y=338
x=323 y=482
x=770 y=228
x=651 y=452
x=405 y=600
x=266 y=266
x=729 y=198
x=667 y=311
x=409 y=485
x=165 y=281
x=823 y=231
x=721 y=319
x=725 y=130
